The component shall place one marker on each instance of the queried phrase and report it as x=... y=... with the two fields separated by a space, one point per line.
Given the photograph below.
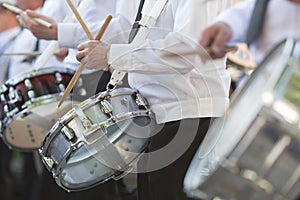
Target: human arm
x=71 y=34
x=230 y=27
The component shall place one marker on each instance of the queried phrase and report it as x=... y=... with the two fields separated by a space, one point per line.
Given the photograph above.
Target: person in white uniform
x=231 y=27
x=69 y=35
x=184 y=93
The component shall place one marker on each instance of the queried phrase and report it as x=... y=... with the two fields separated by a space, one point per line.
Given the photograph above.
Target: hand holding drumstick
x=18 y=11
x=80 y=68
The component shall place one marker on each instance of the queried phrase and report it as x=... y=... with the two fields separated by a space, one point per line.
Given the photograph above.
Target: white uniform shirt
x=57 y=10
x=27 y=42
x=123 y=12
x=7 y=43
x=71 y=34
x=182 y=86
x=281 y=21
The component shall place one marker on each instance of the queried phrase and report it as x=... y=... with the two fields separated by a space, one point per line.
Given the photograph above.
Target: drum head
x=227 y=131
x=29 y=128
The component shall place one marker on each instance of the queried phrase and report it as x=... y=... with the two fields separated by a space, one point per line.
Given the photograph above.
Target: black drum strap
x=136 y=25
x=257 y=20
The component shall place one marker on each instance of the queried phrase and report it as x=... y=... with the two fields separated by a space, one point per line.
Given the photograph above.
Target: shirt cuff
x=119 y=56
x=65 y=34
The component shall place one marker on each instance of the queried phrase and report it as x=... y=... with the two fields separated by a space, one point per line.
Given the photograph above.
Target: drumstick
x=28 y=54
x=81 y=67
x=199 y=51
x=17 y=10
x=80 y=20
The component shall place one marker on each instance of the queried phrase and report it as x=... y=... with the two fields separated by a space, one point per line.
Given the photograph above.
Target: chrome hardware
x=140 y=101
x=106 y=107
x=80 y=82
x=13 y=96
x=58 y=77
x=82 y=92
x=3 y=99
x=12 y=93
x=49 y=162
x=62 y=87
x=68 y=132
x=3 y=88
x=28 y=84
x=31 y=94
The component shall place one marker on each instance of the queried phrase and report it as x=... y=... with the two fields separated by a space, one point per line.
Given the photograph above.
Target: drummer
x=231 y=27
x=69 y=35
x=184 y=93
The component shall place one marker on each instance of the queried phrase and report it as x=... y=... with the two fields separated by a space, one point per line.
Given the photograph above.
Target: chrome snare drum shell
x=98 y=140
x=253 y=151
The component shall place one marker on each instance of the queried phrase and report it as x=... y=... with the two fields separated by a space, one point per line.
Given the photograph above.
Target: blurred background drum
x=98 y=140
x=253 y=151
x=29 y=106
x=240 y=64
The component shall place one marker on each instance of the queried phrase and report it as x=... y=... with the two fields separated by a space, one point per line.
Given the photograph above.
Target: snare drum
x=253 y=151
x=29 y=106
x=98 y=139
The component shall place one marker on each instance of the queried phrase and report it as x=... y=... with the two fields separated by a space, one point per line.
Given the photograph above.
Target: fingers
x=25 y=21
x=82 y=54
x=33 y=14
x=85 y=48
x=223 y=35
x=215 y=37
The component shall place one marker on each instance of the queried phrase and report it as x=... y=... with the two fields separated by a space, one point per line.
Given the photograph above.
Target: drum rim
x=55 y=130
x=42 y=71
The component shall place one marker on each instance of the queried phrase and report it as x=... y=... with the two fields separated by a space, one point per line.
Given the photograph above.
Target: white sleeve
x=238 y=18
x=70 y=35
x=190 y=18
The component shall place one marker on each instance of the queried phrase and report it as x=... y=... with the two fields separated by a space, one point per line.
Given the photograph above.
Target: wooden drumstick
x=17 y=10
x=81 y=67
x=80 y=20
x=28 y=54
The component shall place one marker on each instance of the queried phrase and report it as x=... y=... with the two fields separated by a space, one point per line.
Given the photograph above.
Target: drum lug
x=68 y=132
x=3 y=88
x=14 y=96
x=49 y=161
x=106 y=107
x=28 y=84
x=140 y=101
x=29 y=87
x=87 y=124
x=3 y=99
x=31 y=94
x=80 y=82
x=62 y=87
x=7 y=111
x=58 y=77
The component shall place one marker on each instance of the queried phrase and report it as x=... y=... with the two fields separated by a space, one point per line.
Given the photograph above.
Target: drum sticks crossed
x=90 y=36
